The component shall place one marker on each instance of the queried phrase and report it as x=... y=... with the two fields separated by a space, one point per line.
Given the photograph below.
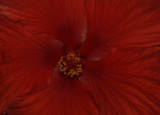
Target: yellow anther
x=64 y=63
x=70 y=65
x=77 y=59
x=62 y=58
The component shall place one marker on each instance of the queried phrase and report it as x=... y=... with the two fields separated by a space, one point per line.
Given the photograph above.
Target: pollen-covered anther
x=71 y=66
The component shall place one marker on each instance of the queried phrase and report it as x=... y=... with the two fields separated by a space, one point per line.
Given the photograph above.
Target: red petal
x=62 y=97
x=113 y=23
x=26 y=62
x=63 y=19
x=126 y=82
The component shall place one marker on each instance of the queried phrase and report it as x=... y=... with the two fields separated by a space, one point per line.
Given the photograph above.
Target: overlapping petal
x=107 y=23
x=126 y=82
x=26 y=61
x=62 y=19
x=124 y=23
x=62 y=97
x=124 y=34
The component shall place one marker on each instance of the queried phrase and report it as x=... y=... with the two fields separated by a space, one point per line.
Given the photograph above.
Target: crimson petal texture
x=62 y=19
x=26 y=61
x=126 y=82
x=117 y=40
x=124 y=23
x=62 y=97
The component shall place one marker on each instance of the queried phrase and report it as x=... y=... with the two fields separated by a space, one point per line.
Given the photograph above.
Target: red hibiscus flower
x=80 y=57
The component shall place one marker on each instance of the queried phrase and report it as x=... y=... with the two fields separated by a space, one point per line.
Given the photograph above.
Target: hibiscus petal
x=62 y=97
x=63 y=19
x=124 y=23
x=126 y=82
x=26 y=62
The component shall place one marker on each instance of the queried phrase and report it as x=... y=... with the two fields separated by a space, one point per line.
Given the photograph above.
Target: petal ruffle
x=63 y=19
x=124 y=23
x=62 y=97
x=26 y=61
x=127 y=82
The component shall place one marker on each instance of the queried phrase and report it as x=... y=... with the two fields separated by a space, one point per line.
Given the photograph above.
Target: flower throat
x=71 y=66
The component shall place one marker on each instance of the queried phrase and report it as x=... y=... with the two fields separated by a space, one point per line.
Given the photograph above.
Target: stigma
x=70 y=66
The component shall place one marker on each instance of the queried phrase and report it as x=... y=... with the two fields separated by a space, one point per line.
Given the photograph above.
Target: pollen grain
x=71 y=66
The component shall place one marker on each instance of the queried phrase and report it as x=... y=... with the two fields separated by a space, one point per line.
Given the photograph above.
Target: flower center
x=71 y=66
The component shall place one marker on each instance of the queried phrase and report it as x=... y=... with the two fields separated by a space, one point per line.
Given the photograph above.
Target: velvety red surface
x=118 y=40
